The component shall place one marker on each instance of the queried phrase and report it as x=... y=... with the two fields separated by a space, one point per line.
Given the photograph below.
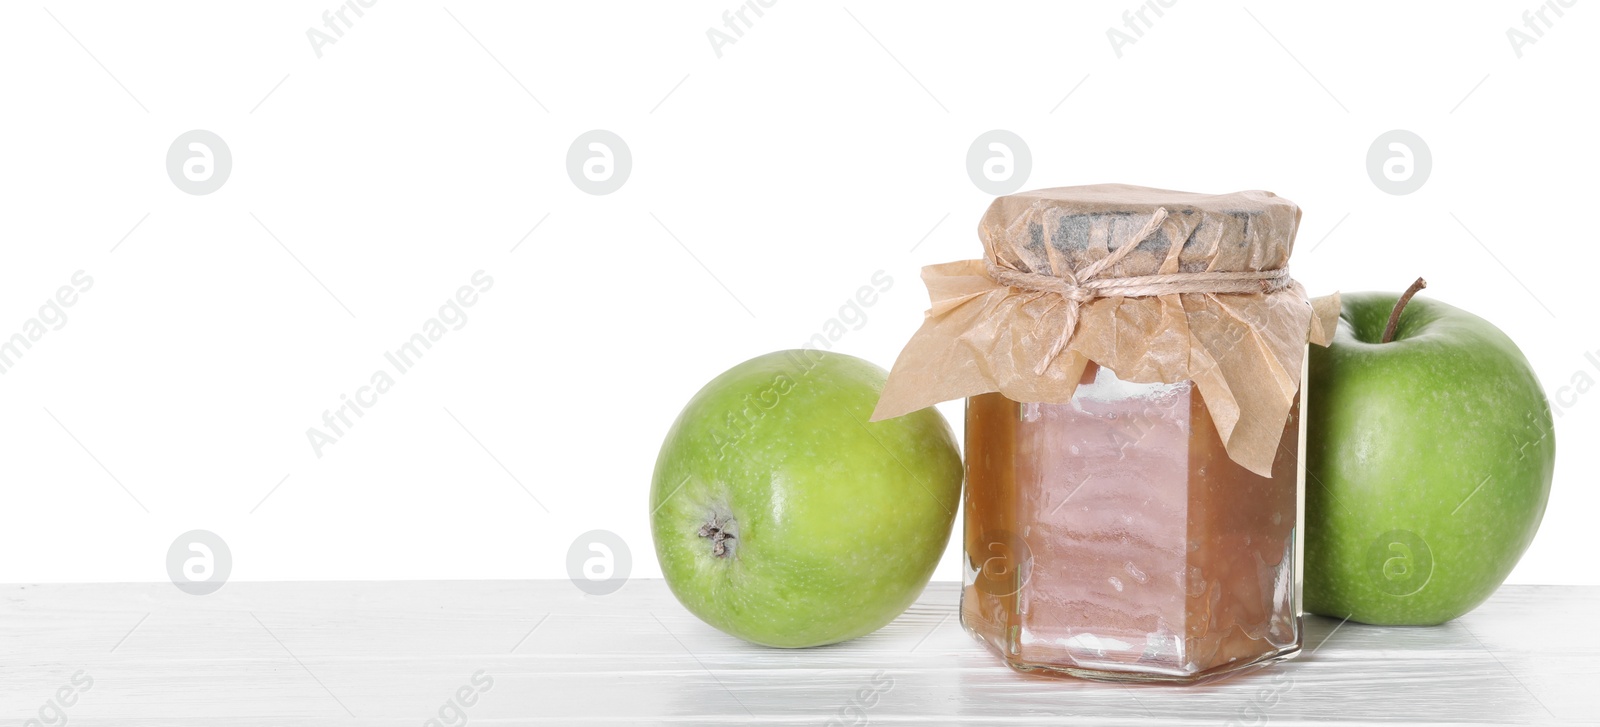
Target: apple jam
x=1112 y=536
x=1132 y=360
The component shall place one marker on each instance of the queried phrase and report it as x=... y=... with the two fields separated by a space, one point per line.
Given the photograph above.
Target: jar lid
x=1158 y=286
x=1042 y=229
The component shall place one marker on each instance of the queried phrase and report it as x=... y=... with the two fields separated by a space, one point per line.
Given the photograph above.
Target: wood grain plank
x=395 y=653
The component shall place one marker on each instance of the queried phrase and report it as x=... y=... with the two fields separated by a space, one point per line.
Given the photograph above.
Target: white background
x=823 y=146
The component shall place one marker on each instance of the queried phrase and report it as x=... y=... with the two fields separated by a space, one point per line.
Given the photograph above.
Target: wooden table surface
x=526 y=652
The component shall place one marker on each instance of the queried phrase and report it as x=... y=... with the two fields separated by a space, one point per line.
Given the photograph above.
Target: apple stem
x=720 y=532
x=1400 y=305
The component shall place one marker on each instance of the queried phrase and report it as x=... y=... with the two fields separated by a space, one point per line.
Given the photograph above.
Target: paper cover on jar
x=1156 y=285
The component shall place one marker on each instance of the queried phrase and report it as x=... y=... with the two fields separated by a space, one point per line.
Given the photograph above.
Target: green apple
x=1428 y=462
x=782 y=516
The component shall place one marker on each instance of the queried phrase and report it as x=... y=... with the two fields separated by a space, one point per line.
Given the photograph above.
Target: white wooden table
x=397 y=653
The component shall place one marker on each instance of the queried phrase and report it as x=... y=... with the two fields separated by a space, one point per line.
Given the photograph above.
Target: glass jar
x=1133 y=361
x=1113 y=538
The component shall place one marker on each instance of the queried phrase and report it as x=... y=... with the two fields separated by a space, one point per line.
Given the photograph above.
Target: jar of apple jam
x=1132 y=361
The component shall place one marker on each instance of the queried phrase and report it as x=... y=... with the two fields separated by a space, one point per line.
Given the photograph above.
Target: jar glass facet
x=1111 y=537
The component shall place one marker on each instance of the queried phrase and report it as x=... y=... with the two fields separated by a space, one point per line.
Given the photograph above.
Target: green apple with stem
x=1429 y=453
x=782 y=516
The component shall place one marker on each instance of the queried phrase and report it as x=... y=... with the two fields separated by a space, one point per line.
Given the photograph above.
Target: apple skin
x=1399 y=437
x=837 y=522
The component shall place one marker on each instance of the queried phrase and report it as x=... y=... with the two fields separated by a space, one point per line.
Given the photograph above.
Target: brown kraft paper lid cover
x=1202 y=294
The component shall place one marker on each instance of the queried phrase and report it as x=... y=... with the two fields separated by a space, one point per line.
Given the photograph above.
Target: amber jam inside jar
x=1111 y=537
